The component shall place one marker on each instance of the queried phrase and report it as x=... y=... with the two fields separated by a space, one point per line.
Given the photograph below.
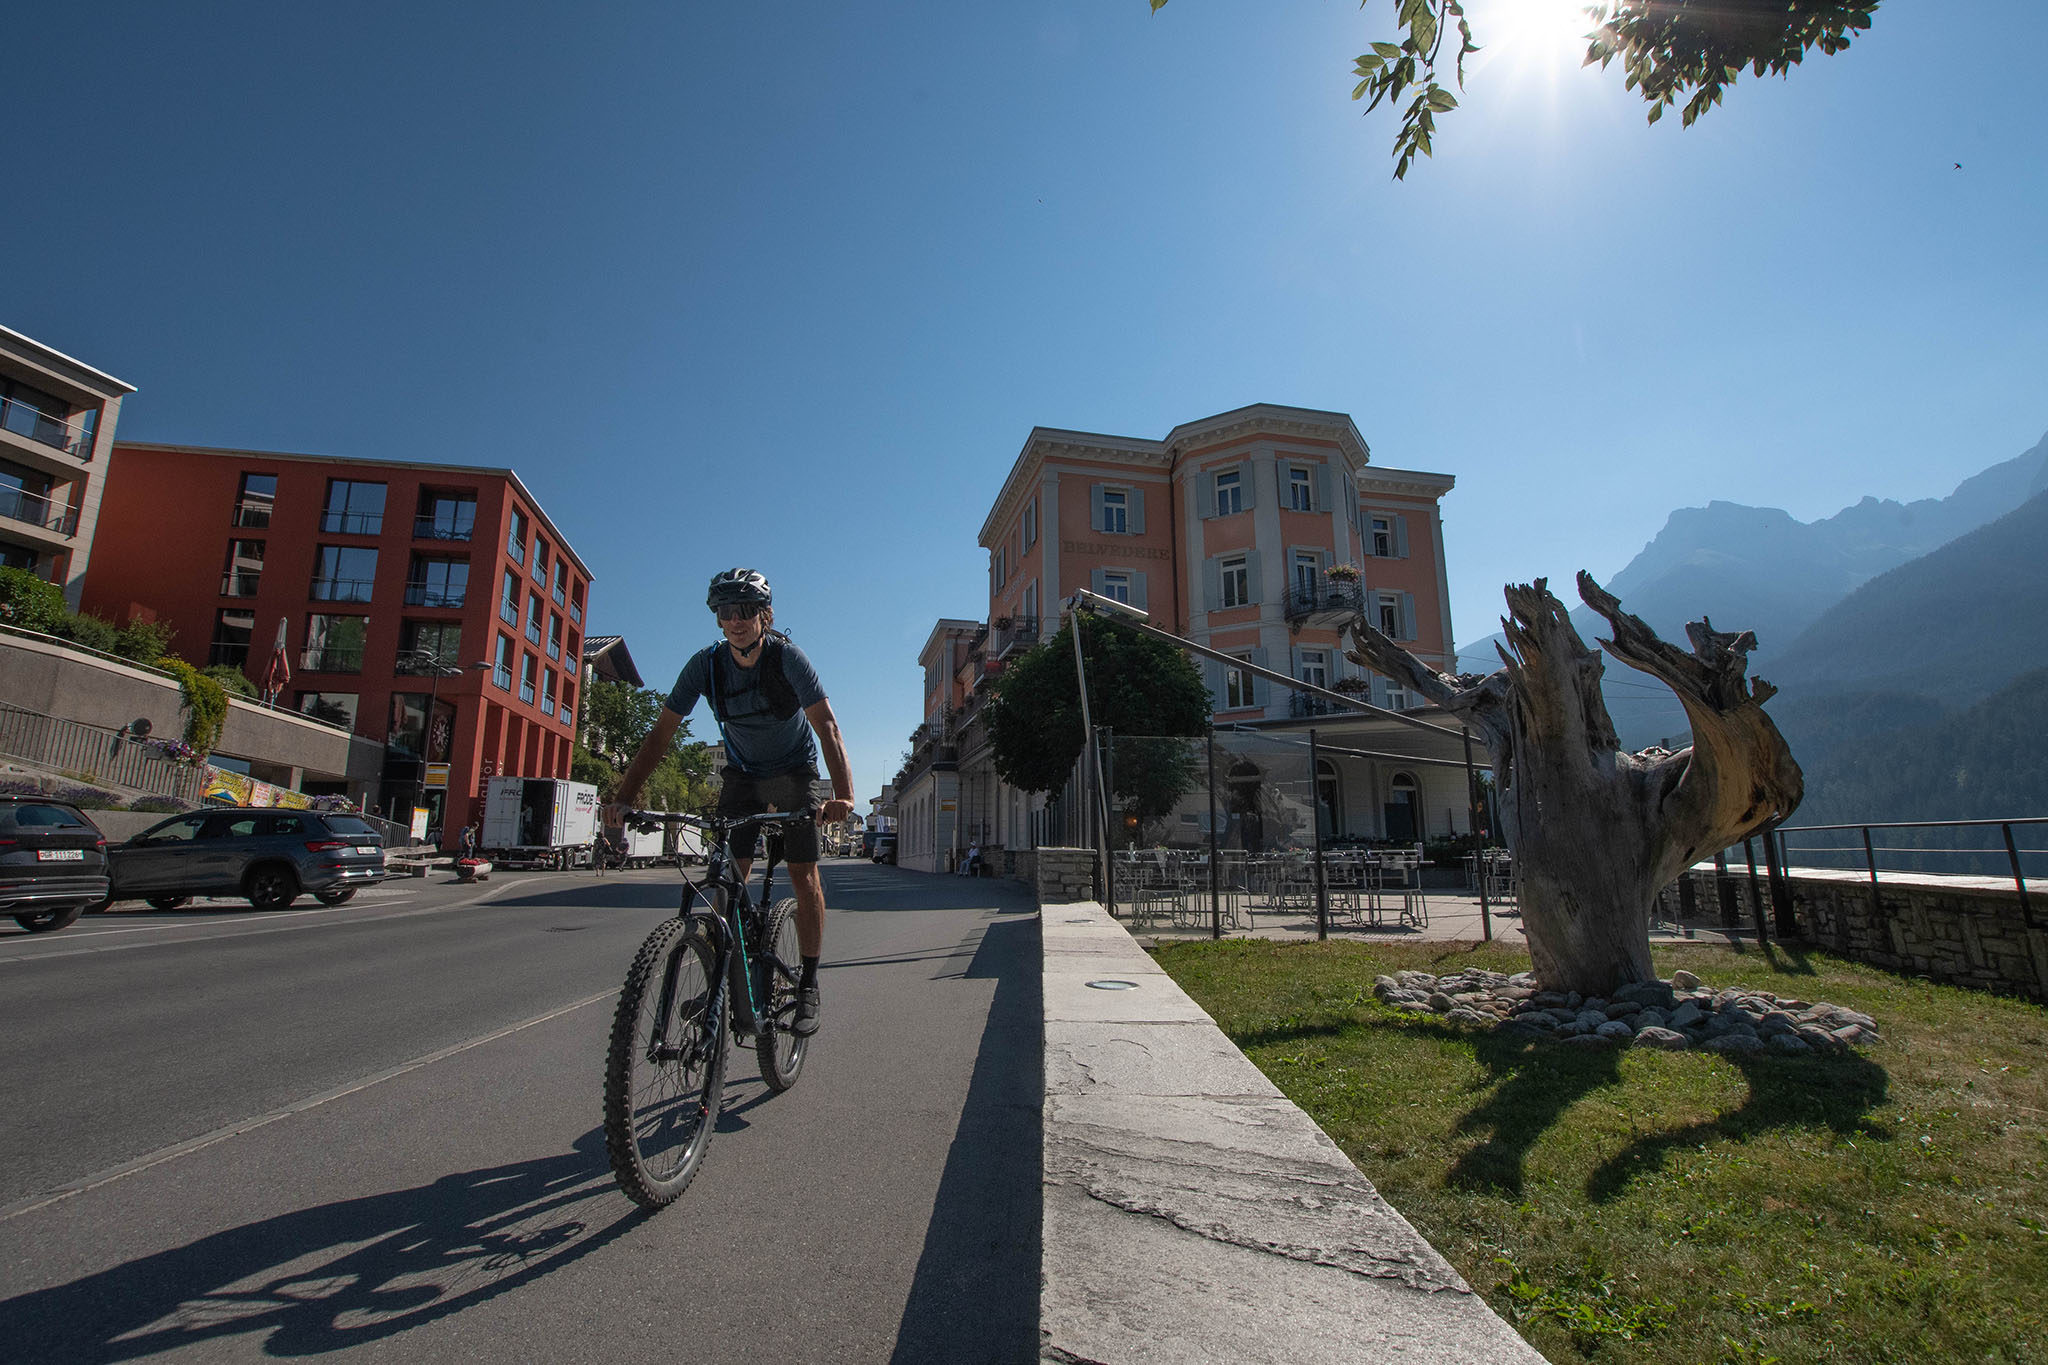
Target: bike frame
x=726 y=925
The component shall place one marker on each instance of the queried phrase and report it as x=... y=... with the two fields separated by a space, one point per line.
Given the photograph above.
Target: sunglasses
x=738 y=613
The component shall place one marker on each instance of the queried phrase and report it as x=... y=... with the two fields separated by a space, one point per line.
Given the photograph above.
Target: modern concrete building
x=57 y=418
x=433 y=608
x=1257 y=532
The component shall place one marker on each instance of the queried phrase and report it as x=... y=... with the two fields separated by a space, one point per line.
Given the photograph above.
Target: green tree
x=1667 y=48
x=29 y=603
x=1137 y=686
x=615 y=718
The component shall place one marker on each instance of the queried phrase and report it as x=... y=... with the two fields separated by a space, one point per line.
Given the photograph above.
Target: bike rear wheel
x=779 y=1051
x=664 y=1076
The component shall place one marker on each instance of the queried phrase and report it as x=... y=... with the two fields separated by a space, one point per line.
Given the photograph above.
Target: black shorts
x=744 y=794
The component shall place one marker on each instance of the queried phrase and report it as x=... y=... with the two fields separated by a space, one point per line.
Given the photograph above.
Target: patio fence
x=94 y=754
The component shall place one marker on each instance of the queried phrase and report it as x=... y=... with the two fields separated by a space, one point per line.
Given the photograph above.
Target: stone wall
x=1963 y=931
x=1065 y=875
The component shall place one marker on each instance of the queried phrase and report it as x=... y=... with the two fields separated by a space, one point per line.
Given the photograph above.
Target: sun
x=1534 y=33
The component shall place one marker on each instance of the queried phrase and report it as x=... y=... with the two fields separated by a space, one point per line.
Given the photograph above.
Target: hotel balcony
x=1013 y=634
x=1334 y=599
x=331 y=660
x=66 y=435
x=435 y=594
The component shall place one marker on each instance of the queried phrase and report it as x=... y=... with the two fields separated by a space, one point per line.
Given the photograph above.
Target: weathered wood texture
x=1596 y=832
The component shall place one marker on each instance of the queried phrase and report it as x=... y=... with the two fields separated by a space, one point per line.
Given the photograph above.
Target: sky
x=789 y=285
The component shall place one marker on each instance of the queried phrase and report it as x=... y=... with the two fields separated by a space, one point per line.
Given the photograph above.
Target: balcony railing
x=18 y=504
x=526 y=692
x=502 y=676
x=1020 y=633
x=576 y=612
x=435 y=594
x=1301 y=704
x=69 y=435
x=240 y=582
x=554 y=648
x=1324 y=596
x=342 y=589
x=254 y=514
x=547 y=705
x=441 y=528
x=332 y=660
x=352 y=523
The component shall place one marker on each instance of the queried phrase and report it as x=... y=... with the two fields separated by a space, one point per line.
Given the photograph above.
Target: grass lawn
x=1883 y=1206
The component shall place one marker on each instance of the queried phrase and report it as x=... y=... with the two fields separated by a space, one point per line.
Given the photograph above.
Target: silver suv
x=269 y=855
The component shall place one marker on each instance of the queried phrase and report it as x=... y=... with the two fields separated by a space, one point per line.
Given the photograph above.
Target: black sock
x=809 y=976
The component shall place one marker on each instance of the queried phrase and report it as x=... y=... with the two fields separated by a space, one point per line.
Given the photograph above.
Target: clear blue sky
x=787 y=285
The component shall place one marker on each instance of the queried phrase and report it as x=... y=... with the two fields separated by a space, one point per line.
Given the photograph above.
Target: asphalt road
x=372 y=1131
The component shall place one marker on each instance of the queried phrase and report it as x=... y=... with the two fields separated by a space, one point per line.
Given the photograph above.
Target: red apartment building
x=435 y=609
x=1226 y=532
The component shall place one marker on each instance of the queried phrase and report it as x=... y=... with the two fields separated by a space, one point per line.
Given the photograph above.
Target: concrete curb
x=1192 y=1213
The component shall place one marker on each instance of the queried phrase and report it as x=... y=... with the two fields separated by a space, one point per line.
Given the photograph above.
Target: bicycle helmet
x=737 y=587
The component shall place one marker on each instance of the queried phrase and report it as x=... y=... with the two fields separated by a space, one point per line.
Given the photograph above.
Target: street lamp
x=435 y=668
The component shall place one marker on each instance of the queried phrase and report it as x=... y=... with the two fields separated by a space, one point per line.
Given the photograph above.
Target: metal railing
x=240 y=582
x=67 y=434
x=430 y=595
x=1300 y=704
x=441 y=528
x=1305 y=599
x=17 y=504
x=255 y=515
x=2004 y=857
x=331 y=660
x=1020 y=633
x=94 y=753
x=334 y=523
x=341 y=589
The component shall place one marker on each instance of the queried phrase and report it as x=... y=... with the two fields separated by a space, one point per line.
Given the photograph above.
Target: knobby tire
x=779 y=1051
x=659 y=1114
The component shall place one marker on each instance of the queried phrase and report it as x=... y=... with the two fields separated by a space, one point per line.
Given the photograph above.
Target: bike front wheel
x=779 y=1051
x=664 y=1076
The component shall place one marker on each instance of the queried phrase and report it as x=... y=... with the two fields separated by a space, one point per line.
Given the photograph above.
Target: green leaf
x=1441 y=100
x=1388 y=51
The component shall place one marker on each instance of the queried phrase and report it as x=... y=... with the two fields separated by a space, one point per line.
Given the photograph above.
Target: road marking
x=84 y=1184
x=301 y=919
x=94 y=931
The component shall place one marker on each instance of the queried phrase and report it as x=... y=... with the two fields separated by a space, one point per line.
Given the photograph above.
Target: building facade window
x=1116 y=586
x=256 y=500
x=1390 y=615
x=46 y=419
x=445 y=515
x=352 y=508
x=344 y=573
x=1115 y=511
x=501 y=665
x=1229 y=492
x=1300 y=493
x=436 y=582
x=515 y=539
x=1308 y=575
x=554 y=636
x=244 y=570
x=1030 y=523
x=1315 y=667
x=540 y=560
x=528 y=669
x=336 y=708
x=1237 y=686
x=1237 y=587
x=508 y=599
x=439 y=641
x=576 y=604
x=561 y=591
x=232 y=628
x=334 y=644
x=547 y=692
x=533 y=615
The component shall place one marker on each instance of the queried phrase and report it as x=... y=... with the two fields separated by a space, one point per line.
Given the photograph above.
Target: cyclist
x=775 y=718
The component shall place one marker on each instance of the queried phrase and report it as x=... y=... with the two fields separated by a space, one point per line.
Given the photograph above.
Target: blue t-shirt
x=757 y=741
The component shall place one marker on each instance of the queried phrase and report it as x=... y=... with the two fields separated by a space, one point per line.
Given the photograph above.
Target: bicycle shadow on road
x=337 y=1275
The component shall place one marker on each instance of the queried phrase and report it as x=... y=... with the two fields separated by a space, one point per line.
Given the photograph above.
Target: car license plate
x=367 y=850
x=60 y=855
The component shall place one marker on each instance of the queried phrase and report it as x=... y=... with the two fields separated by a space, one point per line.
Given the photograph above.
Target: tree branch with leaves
x=1668 y=49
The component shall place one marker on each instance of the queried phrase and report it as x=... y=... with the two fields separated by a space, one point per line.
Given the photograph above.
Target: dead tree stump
x=1597 y=832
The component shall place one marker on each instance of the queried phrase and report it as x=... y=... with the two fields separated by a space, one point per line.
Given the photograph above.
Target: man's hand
x=834 y=812
x=613 y=814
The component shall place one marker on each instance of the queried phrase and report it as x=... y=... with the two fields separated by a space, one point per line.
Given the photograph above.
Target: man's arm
x=833 y=746
x=652 y=750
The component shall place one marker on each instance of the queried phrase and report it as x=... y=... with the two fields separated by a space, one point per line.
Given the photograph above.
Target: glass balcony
x=435 y=594
x=526 y=693
x=547 y=706
x=72 y=436
x=442 y=527
x=554 y=649
x=332 y=660
x=350 y=523
x=239 y=582
x=567 y=717
x=508 y=612
x=342 y=589
x=502 y=676
x=576 y=612
x=18 y=504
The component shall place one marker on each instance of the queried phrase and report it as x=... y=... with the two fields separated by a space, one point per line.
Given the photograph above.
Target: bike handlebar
x=648 y=819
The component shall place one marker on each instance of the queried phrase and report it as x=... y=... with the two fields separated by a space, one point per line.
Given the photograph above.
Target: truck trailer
x=542 y=822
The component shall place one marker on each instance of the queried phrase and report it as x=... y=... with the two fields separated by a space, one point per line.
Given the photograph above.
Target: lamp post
x=435 y=668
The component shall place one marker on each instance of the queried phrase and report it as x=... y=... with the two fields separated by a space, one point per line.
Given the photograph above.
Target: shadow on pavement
x=975 y=1296
x=331 y=1277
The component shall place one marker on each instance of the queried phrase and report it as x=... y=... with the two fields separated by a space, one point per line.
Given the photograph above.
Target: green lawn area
x=1644 y=1206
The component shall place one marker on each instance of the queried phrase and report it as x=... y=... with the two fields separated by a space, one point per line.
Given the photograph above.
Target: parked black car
x=269 y=855
x=53 y=862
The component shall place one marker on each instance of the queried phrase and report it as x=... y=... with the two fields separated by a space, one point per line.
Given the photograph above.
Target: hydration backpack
x=774 y=683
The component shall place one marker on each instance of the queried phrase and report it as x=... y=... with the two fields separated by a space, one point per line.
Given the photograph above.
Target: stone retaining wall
x=1946 y=929
x=1065 y=874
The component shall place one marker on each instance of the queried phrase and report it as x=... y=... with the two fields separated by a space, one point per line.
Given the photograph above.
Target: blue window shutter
x=1136 y=520
x=1408 y=616
x=1319 y=486
x=1138 y=589
x=1254 y=581
x=1095 y=583
x=1095 y=507
x=1400 y=537
x=1207 y=496
x=1212 y=678
x=1248 y=484
x=1261 y=689
x=1212 y=583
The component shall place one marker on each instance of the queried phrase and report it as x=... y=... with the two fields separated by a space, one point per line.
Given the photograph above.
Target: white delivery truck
x=670 y=844
x=539 y=822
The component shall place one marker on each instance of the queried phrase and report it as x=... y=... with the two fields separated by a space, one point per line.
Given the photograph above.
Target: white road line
x=157 y=1158
x=300 y=920
x=97 y=932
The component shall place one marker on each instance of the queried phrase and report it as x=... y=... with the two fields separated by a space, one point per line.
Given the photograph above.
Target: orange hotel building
x=1226 y=532
x=396 y=589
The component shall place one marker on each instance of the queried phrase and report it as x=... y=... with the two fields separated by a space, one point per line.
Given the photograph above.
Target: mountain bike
x=723 y=968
